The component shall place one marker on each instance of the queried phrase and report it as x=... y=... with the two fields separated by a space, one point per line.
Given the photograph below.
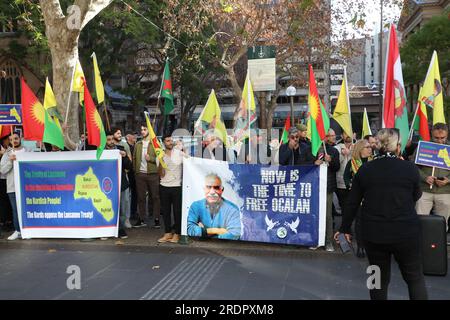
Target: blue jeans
x=124 y=207
x=12 y=200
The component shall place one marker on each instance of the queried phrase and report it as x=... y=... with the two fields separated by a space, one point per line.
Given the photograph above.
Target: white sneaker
x=329 y=247
x=128 y=224
x=14 y=236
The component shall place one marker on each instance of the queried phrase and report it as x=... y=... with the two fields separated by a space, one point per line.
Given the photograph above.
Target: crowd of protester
x=149 y=192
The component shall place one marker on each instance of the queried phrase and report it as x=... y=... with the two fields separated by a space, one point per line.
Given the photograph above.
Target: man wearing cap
x=294 y=152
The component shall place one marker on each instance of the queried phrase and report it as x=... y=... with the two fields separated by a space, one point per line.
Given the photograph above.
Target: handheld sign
x=10 y=114
x=433 y=155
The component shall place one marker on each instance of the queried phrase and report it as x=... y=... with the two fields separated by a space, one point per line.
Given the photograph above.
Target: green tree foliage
x=417 y=51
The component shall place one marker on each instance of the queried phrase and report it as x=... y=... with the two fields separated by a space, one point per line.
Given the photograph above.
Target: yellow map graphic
x=443 y=154
x=87 y=186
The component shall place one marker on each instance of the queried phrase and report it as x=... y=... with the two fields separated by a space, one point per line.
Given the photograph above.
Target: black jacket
x=300 y=156
x=388 y=188
x=333 y=167
x=126 y=165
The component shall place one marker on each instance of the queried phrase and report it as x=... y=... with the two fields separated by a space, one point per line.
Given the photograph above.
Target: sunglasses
x=217 y=188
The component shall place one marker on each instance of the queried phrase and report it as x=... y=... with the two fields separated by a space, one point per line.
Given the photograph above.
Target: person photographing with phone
x=388 y=189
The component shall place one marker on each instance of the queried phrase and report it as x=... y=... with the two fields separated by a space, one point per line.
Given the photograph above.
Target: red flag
x=5 y=131
x=287 y=126
x=94 y=124
x=33 y=115
x=395 y=113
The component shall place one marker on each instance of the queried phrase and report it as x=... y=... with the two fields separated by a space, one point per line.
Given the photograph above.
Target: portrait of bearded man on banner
x=214 y=216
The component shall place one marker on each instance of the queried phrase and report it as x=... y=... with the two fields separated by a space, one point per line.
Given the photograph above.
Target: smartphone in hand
x=344 y=244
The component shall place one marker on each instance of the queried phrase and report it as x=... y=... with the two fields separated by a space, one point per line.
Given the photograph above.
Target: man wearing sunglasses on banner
x=214 y=216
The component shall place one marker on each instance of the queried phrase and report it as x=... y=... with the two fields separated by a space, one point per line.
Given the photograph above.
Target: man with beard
x=170 y=190
x=7 y=168
x=147 y=178
x=214 y=216
x=117 y=134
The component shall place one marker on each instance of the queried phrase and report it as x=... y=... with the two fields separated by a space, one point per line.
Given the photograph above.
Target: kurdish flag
x=38 y=125
x=421 y=119
x=342 y=113
x=432 y=91
x=319 y=120
x=5 y=131
x=395 y=114
x=246 y=114
x=210 y=118
x=155 y=142
x=287 y=126
x=94 y=124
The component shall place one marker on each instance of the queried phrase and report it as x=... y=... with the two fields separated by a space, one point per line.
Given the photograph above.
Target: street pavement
x=140 y=268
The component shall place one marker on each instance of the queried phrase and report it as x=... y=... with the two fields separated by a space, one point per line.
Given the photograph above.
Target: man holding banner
x=435 y=182
x=7 y=169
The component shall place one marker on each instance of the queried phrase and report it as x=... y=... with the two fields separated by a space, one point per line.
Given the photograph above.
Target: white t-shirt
x=174 y=172
x=143 y=167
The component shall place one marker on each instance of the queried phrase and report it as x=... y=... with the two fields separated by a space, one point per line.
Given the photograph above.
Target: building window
x=9 y=82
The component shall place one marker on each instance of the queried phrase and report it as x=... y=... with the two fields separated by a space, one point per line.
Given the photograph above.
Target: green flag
x=52 y=133
x=166 y=90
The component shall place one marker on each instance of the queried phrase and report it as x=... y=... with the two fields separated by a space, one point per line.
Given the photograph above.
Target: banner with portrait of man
x=260 y=203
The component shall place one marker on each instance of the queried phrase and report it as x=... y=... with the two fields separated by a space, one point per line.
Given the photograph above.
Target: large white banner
x=262 y=203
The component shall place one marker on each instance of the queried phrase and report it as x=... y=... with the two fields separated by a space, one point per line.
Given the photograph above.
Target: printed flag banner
x=421 y=122
x=318 y=120
x=68 y=194
x=94 y=124
x=287 y=126
x=246 y=114
x=432 y=94
x=155 y=142
x=285 y=205
x=99 y=89
x=210 y=119
x=342 y=113
x=395 y=113
x=37 y=123
x=166 y=90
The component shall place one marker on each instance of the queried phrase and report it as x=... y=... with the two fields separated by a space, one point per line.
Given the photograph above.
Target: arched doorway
x=10 y=74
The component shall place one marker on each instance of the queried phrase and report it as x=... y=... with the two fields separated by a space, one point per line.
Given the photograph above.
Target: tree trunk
x=64 y=50
x=62 y=34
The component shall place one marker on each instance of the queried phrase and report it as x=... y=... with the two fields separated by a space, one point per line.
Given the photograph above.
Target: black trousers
x=133 y=192
x=342 y=195
x=171 y=198
x=408 y=255
x=5 y=205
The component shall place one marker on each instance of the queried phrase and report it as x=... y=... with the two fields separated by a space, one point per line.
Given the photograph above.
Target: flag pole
x=249 y=99
x=348 y=101
x=160 y=89
x=106 y=116
x=411 y=131
x=70 y=93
